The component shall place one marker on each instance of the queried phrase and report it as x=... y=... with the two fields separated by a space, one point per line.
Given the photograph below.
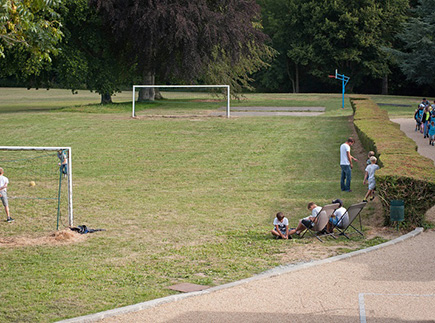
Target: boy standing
x=280 y=230
x=370 y=178
x=3 y=194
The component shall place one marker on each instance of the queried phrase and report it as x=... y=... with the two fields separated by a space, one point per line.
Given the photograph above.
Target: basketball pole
x=344 y=80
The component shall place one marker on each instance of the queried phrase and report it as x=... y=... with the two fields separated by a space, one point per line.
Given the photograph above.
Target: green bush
x=405 y=174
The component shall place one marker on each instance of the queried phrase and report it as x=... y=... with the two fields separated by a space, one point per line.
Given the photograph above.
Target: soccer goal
x=40 y=183
x=227 y=87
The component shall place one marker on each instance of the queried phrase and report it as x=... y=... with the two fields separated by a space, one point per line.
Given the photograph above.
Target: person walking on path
x=3 y=194
x=346 y=164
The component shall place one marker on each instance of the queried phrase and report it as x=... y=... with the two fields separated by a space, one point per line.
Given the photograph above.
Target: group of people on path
x=424 y=117
x=339 y=217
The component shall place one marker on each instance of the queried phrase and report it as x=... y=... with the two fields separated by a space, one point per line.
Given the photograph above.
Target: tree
x=418 y=37
x=181 y=39
x=322 y=35
x=88 y=57
x=29 y=34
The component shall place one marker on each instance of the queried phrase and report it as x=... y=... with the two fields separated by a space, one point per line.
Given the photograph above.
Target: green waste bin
x=397 y=210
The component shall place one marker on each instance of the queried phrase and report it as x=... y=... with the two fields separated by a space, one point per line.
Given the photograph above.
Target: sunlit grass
x=182 y=200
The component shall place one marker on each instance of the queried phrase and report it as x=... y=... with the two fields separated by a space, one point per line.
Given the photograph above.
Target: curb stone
x=267 y=274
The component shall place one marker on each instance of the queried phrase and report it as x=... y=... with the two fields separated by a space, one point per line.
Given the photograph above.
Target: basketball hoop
x=344 y=79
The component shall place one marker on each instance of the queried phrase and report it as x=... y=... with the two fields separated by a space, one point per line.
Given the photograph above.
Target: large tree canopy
x=322 y=35
x=29 y=33
x=417 y=59
x=88 y=57
x=180 y=39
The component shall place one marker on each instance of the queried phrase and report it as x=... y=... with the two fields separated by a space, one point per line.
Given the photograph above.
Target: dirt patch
x=62 y=237
x=207 y=100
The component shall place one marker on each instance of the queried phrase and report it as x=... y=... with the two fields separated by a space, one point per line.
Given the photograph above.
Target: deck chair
x=353 y=212
x=321 y=221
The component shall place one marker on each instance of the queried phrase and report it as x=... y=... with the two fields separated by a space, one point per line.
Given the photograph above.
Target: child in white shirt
x=280 y=230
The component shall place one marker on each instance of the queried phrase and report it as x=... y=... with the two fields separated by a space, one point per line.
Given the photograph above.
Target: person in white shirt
x=280 y=230
x=346 y=164
x=339 y=218
x=307 y=222
x=4 y=181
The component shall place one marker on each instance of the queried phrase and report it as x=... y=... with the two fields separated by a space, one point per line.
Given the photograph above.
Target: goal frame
x=70 y=195
x=181 y=86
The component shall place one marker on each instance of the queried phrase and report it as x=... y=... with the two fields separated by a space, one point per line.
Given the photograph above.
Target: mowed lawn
x=181 y=199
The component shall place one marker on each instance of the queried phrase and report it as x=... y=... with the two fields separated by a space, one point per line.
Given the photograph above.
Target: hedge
x=404 y=174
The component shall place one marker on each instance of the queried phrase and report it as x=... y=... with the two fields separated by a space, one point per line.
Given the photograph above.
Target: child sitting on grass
x=280 y=230
x=370 y=178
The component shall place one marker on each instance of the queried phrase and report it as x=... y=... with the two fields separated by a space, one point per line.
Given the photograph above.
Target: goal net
x=184 y=99
x=40 y=185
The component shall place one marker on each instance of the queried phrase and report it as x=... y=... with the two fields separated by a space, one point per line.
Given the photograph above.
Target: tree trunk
x=158 y=95
x=106 y=98
x=147 y=94
x=297 y=77
x=385 y=85
x=290 y=76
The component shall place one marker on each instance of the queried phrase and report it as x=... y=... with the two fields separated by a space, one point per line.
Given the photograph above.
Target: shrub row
x=404 y=174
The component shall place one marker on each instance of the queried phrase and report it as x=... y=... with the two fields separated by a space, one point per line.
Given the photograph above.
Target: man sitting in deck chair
x=340 y=218
x=352 y=212
x=318 y=219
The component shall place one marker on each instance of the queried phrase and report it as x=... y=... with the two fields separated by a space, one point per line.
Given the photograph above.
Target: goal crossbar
x=69 y=174
x=182 y=86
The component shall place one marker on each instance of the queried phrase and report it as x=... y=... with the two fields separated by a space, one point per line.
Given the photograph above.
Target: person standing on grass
x=370 y=178
x=4 y=181
x=346 y=164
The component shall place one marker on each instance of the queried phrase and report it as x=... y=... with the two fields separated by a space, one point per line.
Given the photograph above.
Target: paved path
x=272 y=111
x=393 y=283
x=408 y=126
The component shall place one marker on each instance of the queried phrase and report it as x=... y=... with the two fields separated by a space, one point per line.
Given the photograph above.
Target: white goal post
x=182 y=86
x=69 y=172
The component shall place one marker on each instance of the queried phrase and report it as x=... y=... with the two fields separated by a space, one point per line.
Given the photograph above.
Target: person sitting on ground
x=307 y=222
x=339 y=218
x=280 y=231
x=370 y=178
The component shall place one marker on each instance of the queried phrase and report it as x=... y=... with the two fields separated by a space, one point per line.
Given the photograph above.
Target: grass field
x=182 y=199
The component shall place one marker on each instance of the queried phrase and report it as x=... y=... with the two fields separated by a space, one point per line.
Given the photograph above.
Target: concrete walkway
x=394 y=282
x=408 y=127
